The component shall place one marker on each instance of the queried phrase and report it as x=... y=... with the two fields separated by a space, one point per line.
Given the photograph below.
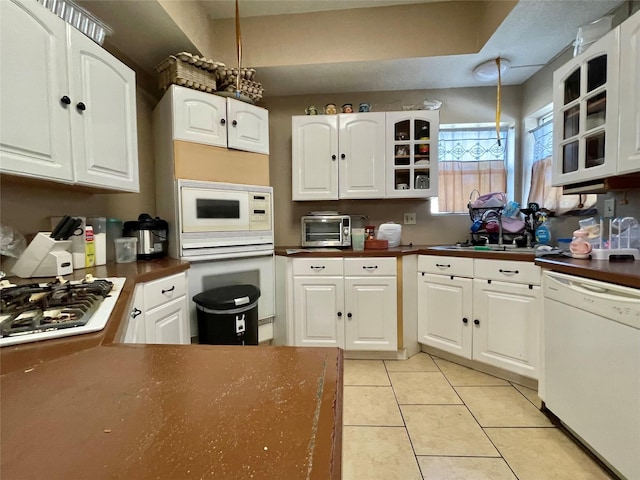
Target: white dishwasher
x=592 y=367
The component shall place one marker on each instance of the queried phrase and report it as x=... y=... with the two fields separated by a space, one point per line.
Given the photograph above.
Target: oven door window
x=212 y=211
x=323 y=231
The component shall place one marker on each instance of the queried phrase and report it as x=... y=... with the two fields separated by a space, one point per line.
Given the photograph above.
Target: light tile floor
x=429 y=419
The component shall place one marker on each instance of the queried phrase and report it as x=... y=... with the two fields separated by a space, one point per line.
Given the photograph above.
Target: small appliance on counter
x=326 y=229
x=151 y=234
x=44 y=257
x=391 y=232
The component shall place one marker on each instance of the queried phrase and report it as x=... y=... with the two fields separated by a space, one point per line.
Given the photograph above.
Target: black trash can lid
x=227 y=298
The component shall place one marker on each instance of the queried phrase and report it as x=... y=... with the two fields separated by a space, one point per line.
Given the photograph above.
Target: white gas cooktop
x=96 y=322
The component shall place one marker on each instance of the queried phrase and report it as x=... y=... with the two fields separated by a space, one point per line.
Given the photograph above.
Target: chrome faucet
x=494 y=213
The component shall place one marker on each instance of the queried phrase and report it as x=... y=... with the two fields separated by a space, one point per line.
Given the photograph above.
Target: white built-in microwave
x=223 y=219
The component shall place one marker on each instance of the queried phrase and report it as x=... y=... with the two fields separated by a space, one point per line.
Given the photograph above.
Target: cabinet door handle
x=370 y=268
x=349 y=315
x=343 y=156
x=317 y=268
x=333 y=157
x=135 y=312
x=465 y=320
x=169 y=289
x=66 y=100
x=81 y=106
x=476 y=322
x=509 y=271
x=234 y=123
x=222 y=121
x=339 y=314
x=443 y=265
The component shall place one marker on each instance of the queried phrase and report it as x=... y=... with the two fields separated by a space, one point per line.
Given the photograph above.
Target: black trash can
x=228 y=315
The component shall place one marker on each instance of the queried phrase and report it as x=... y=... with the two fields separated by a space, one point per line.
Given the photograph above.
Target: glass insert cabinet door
x=412 y=153
x=585 y=114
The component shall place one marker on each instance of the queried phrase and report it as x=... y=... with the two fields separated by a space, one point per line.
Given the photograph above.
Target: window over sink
x=470 y=157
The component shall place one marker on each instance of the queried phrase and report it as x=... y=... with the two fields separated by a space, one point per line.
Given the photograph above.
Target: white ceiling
x=533 y=33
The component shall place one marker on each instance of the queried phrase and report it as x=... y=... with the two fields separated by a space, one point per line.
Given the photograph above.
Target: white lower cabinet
x=159 y=313
x=485 y=310
x=444 y=312
x=349 y=303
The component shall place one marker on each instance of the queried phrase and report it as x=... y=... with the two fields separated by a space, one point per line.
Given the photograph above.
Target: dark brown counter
x=348 y=252
x=26 y=355
x=175 y=412
x=626 y=273
x=405 y=250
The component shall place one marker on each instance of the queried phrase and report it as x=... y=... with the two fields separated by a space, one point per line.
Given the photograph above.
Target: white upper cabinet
x=103 y=116
x=72 y=117
x=412 y=154
x=35 y=139
x=338 y=156
x=315 y=157
x=585 y=113
x=248 y=127
x=199 y=117
x=629 y=147
x=210 y=119
x=361 y=145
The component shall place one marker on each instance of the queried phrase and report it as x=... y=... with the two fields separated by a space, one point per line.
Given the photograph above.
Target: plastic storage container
x=228 y=315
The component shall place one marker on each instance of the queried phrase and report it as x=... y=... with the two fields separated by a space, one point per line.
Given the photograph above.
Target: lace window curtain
x=541 y=191
x=469 y=159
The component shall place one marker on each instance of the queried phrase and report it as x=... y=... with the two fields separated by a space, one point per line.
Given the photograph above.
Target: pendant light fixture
x=489 y=70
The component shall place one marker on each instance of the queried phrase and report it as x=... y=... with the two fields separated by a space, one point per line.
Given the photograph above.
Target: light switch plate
x=610 y=208
x=409 y=218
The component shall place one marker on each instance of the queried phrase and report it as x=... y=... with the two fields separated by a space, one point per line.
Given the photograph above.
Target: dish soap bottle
x=543 y=234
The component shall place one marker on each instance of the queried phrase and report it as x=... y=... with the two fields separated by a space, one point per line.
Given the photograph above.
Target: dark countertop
x=176 y=412
x=405 y=250
x=625 y=273
x=84 y=405
x=26 y=355
x=348 y=252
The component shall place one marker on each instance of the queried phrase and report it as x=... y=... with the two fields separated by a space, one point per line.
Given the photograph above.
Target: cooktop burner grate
x=37 y=308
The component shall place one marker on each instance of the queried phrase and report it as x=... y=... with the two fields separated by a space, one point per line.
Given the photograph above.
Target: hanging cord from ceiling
x=498 y=101
x=239 y=49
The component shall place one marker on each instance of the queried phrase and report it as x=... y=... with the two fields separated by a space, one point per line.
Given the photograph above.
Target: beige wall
x=461 y=105
x=321 y=37
x=28 y=207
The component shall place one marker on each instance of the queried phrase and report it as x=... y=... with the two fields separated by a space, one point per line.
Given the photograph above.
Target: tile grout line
x=476 y=420
x=403 y=420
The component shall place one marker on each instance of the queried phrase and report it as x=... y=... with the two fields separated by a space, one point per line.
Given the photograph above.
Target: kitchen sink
x=489 y=248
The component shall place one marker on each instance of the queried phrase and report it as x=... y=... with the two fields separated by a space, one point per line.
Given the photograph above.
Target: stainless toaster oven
x=326 y=229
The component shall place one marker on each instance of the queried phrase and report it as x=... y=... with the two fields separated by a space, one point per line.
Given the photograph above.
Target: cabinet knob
x=465 y=320
x=222 y=121
x=349 y=315
x=476 y=322
x=66 y=100
x=234 y=123
x=169 y=289
x=339 y=314
x=135 y=312
x=81 y=106
x=313 y=267
x=343 y=156
x=333 y=157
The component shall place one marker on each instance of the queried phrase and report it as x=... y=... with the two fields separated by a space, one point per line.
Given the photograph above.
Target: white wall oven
x=219 y=220
x=226 y=231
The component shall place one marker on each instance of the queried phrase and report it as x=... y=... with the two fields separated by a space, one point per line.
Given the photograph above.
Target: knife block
x=44 y=257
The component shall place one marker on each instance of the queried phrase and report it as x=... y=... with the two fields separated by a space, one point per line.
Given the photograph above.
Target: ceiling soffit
x=361 y=35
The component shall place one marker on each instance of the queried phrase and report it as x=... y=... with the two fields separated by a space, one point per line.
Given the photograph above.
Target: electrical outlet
x=409 y=218
x=610 y=208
